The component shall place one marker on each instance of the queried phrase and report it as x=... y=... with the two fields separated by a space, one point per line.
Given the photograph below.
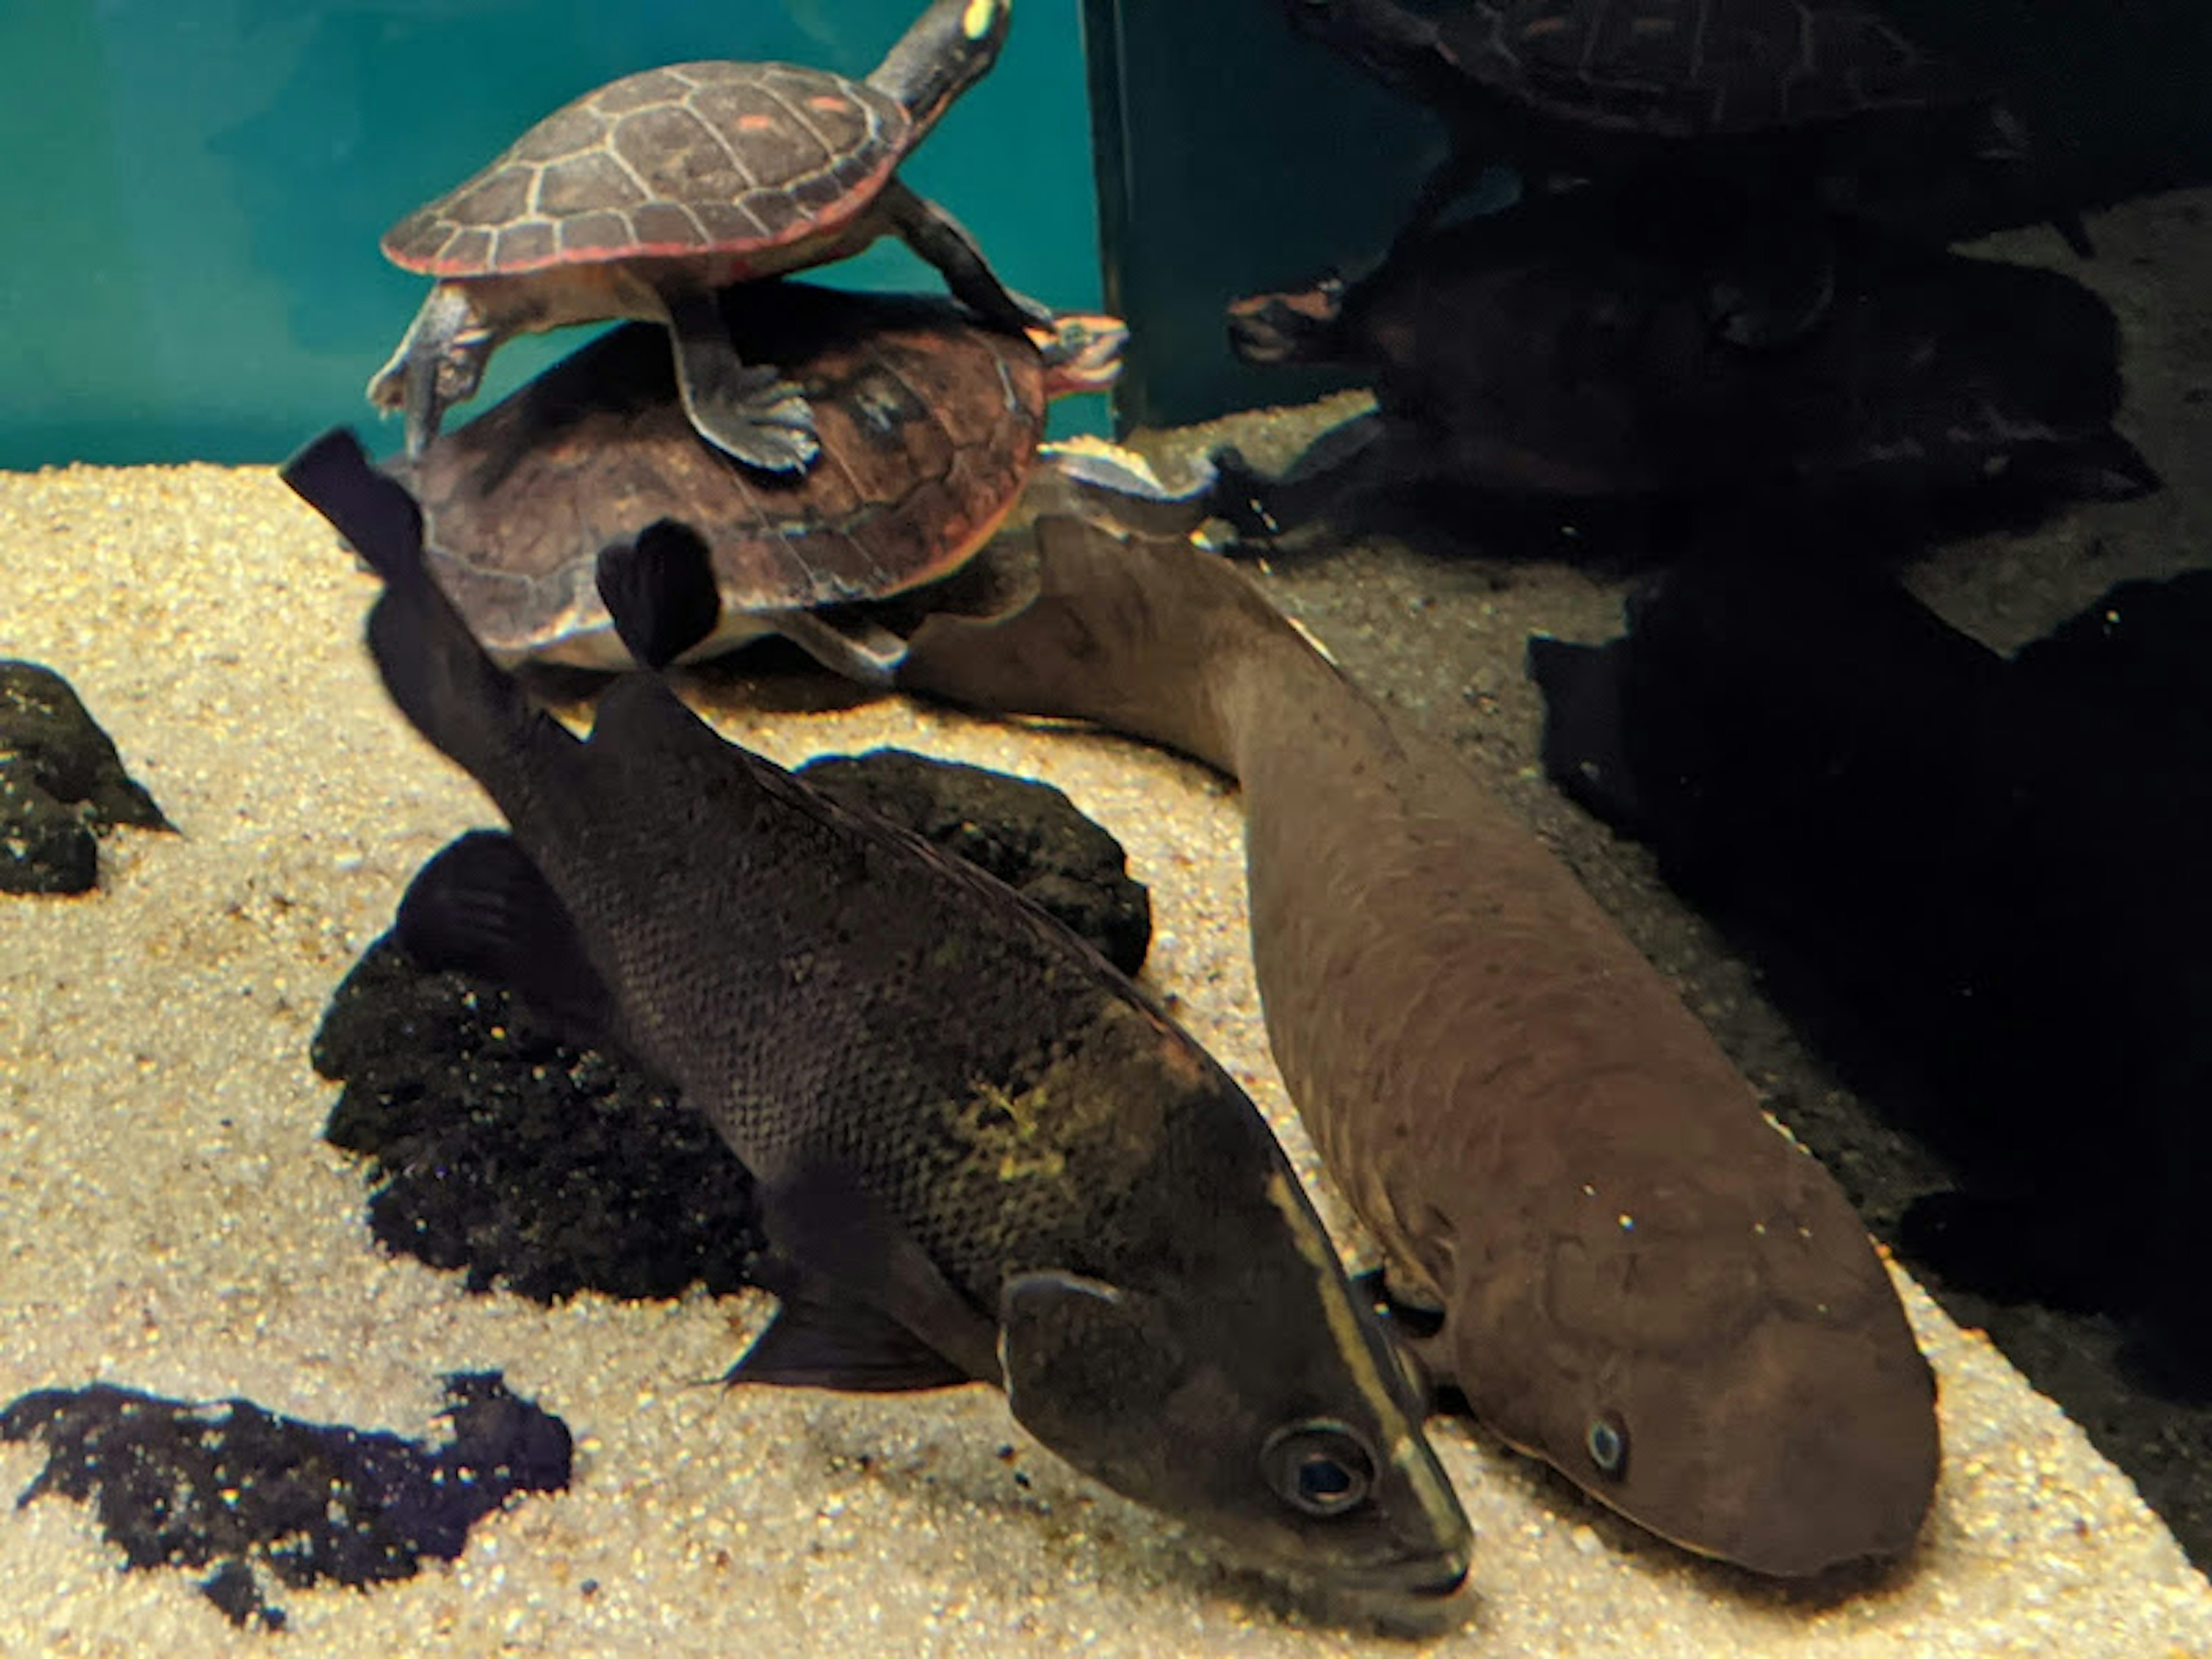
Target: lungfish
x=1642 y=1281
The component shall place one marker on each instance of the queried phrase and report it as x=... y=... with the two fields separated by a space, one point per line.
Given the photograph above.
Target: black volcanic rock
x=235 y=1488
x=502 y=1152
x=61 y=785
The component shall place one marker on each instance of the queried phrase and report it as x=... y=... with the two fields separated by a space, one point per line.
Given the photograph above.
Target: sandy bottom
x=171 y=1221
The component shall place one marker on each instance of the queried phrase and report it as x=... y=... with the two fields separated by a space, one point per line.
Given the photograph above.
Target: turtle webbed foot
x=757 y=416
x=747 y=411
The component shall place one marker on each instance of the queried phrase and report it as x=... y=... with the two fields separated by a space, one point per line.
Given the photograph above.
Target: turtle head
x=947 y=51
x=1082 y=352
x=1288 y=328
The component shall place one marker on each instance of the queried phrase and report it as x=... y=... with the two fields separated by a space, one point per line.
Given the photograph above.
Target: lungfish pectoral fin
x=1078 y=1353
x=858 y=1258
x=482 y=907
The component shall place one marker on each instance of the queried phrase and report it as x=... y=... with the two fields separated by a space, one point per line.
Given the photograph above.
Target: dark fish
x=1641 y=1281
x=983 y=1154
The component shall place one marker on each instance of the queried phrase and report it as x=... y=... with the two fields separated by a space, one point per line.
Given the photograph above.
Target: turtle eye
x=1319 y=1466
x=1606 y=1440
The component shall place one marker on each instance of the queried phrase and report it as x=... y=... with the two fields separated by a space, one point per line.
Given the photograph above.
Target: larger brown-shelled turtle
x=930 y=426
x=643 y=198
x=1797 y=95
x=1566 y=351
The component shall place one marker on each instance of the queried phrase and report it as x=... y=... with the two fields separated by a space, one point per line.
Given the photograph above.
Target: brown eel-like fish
x=1643 y=1282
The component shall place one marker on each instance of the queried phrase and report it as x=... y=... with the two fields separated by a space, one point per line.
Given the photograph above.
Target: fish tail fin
x=432 y=666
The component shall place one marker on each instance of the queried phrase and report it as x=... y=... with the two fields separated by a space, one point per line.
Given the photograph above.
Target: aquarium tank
x=884 y=827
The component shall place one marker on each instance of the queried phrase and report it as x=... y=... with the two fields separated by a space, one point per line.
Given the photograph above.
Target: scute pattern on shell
x=1691 y=67
x=700 y=158
x=928 y=424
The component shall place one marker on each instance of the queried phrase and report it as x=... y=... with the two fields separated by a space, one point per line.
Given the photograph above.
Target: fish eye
x=1319 y=1466
x=1606 y=1440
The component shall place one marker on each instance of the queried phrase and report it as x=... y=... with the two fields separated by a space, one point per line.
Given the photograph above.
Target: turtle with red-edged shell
x=643 y=198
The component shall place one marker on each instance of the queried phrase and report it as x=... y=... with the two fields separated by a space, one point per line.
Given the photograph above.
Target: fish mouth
x=1397 y=1604
x=1437 y=1589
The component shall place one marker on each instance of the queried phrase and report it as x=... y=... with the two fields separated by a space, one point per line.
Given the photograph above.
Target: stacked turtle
x=1770 y=105
x=1729 y=264
x=642 y=198
x=834 y=448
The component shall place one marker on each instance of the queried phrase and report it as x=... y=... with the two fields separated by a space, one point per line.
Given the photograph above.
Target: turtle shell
x=929 y=423
x=1689 y=68
x=690 y=160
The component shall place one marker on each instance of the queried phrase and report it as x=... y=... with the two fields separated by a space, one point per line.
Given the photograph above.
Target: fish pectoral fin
x=482 y=907
x=817 y=1342
x=854 y=1251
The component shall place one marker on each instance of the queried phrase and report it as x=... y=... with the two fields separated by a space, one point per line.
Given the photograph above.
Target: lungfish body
x=1643 y=1282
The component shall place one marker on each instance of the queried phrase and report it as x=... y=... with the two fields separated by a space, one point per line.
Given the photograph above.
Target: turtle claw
x=439 y=363
x=748 y=412
x=761 y=419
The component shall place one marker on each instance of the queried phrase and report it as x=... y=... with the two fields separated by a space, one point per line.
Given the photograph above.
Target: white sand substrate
x=171 y=1221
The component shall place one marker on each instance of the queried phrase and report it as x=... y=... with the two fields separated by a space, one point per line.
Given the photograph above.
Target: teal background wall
x=194 y=190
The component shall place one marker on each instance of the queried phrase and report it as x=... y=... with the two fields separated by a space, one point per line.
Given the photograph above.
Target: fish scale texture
x=1546 y=1141
x=829 y=990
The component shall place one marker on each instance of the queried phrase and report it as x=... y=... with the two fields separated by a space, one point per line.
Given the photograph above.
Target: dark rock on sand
x=254 y=1496
x=501 y=1150
x=61 y=785
x=1027 y=834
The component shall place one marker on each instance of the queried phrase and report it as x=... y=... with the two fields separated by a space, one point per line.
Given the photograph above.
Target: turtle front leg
x=940 y=238
x=1464 y=170
x=747 y=410
x=439 y=362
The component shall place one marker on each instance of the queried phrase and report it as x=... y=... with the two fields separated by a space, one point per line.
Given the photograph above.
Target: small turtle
x=1768 y=100
x=1569 y=349
x=929 y=425
x=643 y=198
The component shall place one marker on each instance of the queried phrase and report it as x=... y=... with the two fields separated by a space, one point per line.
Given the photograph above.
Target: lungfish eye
x=1319 y=1466
x=1606 y=1440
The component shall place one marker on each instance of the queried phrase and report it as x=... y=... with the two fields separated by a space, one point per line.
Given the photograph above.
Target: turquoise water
x=195 y=189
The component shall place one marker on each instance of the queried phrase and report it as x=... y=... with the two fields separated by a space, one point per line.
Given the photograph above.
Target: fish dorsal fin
x=660 y=589
x=825 y=1342
x=852 y=1249
x=482 y=907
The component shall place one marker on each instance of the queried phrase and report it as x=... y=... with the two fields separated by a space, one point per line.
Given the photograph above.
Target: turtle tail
x=433 y=668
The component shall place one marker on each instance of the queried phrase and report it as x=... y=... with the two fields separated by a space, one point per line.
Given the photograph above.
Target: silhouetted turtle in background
x=1568 y=349
x=1747 y=111
x=930 y=425
x=643 y=198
